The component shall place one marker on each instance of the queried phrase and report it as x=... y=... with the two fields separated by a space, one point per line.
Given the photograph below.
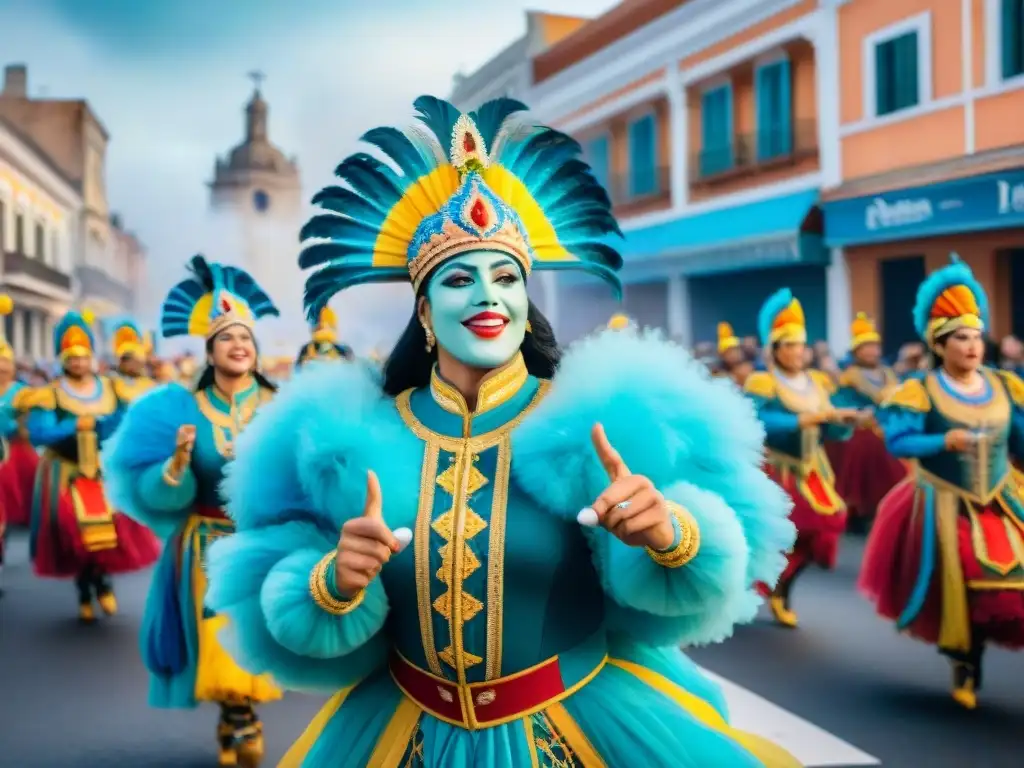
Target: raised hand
x=184 y=444
x=366 y=544
x=631 y=508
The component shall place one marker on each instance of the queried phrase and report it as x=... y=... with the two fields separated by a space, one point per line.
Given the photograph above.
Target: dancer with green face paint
x=491 y=556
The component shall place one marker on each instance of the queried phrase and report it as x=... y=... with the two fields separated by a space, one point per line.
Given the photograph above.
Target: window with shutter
x=774 y=110
x=1012 y=43
x=716 y=155
x=643 y=157
x=897 y=84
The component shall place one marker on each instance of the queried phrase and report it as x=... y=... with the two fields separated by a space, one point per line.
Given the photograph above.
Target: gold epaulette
x=910 y=395
x=760 y=384
x=1014 y=386
x=30 y=398
x=823 y=380
x=848 y=379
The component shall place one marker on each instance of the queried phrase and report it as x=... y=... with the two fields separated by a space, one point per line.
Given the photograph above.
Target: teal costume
x=945 y=560
x=186 y=662
x=506 y=634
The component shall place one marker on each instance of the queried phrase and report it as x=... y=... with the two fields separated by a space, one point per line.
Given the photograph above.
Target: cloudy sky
x=167 y=79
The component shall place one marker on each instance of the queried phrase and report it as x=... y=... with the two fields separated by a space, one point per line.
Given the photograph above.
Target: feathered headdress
x=949 y=299
x=726 y=338
x=863 y=331
x=487 y=180
x=213 y=298
x=781 y=319
x=326 y=329
x=126 y=338
x=6 y=307
x=72 y=336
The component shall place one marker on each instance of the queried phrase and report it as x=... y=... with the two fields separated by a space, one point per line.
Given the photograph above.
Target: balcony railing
x=96 y=282
x=754 y=152
x=16 y=263
x=636 y=189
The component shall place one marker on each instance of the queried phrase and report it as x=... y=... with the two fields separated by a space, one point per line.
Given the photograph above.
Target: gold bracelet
x=321 y=593
x=689 y=540
x=169 y=476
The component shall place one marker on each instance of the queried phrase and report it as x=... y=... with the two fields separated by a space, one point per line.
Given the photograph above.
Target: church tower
x=256 y=196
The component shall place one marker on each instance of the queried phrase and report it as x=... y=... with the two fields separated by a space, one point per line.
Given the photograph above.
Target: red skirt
x=817 y=532
x=73 y=531
x=17 y=478
x=865 y=471
x=892 y=562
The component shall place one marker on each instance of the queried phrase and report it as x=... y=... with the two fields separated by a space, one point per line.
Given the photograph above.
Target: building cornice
x=29 y=162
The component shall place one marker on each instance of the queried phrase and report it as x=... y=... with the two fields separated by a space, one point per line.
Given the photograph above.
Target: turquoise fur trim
x=146 y=438
x=670 y=421
x=956 y=273
x=774 y=304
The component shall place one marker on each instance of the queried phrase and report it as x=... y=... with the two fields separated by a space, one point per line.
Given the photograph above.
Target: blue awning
x=756 y=235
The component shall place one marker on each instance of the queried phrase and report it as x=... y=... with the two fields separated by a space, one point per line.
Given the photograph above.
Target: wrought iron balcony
x=17 y=263
x=755 y=152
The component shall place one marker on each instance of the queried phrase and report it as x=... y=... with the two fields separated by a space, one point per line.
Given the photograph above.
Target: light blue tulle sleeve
x=700 y=443
x=905 y=435
x=290 y=487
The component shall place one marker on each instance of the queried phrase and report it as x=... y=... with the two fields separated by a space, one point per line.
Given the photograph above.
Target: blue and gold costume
x=128 y=341
x=795 y=456
x=74 y=530
x=945 y=560
x=506 y=634
x=324 y=344
x=11 y=498
x=185 y=660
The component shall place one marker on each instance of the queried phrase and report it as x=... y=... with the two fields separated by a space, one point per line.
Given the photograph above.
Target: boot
x=83 y=585
x=965 y=684
x=779 y=600
x=105 y=593
x=244 y=736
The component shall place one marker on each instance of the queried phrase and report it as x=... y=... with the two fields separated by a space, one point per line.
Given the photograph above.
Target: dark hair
x=409 y=364
x=206 y=377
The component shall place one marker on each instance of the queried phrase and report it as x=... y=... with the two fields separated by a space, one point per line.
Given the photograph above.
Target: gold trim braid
x=321 y=593
x=689 y=540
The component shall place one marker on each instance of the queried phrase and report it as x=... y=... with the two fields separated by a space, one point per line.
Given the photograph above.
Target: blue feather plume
x=774 y=304
x=954 y=273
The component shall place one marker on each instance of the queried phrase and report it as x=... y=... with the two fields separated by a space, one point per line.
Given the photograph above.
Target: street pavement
x=842 y=690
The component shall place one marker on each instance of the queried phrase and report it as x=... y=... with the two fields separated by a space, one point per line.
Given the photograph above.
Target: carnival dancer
x=795 y=406
x=324 y=344
x=74 y=531
x=165 y=467
x=945 y=559
x=129 y=344
x=19 y=458
x=516 y=630
x=865 y=470
x=732 y=361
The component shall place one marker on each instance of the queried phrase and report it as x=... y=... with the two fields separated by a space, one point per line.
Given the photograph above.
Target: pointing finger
x=373 y=506
x=610 y=459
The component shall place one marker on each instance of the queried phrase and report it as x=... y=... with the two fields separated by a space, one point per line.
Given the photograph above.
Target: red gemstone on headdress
x=225 y=305
x=478 y=213
x=468 y=142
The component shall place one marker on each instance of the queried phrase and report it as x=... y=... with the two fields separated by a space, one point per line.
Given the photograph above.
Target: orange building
x=701 y=117
x=931 y=153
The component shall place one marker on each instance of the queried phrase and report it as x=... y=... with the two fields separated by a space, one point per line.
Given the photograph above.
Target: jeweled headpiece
x=6 y=308
x=619 y=322
x=949 y=299
x=726 y=338
x=213 y=298
x=127 y=339
x=487 y=180
x=72 y=336
x=325 y=331
x=863 y=331
x=781 y=319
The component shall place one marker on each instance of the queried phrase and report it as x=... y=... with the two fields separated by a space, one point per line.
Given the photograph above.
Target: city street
x=843 y=690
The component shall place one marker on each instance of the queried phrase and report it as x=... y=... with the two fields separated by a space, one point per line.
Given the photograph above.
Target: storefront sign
x=993 y=201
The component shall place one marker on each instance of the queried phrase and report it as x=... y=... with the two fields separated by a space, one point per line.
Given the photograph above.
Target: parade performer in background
x=865 y=470
x=732 y=361
x=165 y=468
x=324 y=344
x=516 y=630
x=74 y=530
x=19 y=458
x=795 y=406
x=945 y=559
x=129 y=345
